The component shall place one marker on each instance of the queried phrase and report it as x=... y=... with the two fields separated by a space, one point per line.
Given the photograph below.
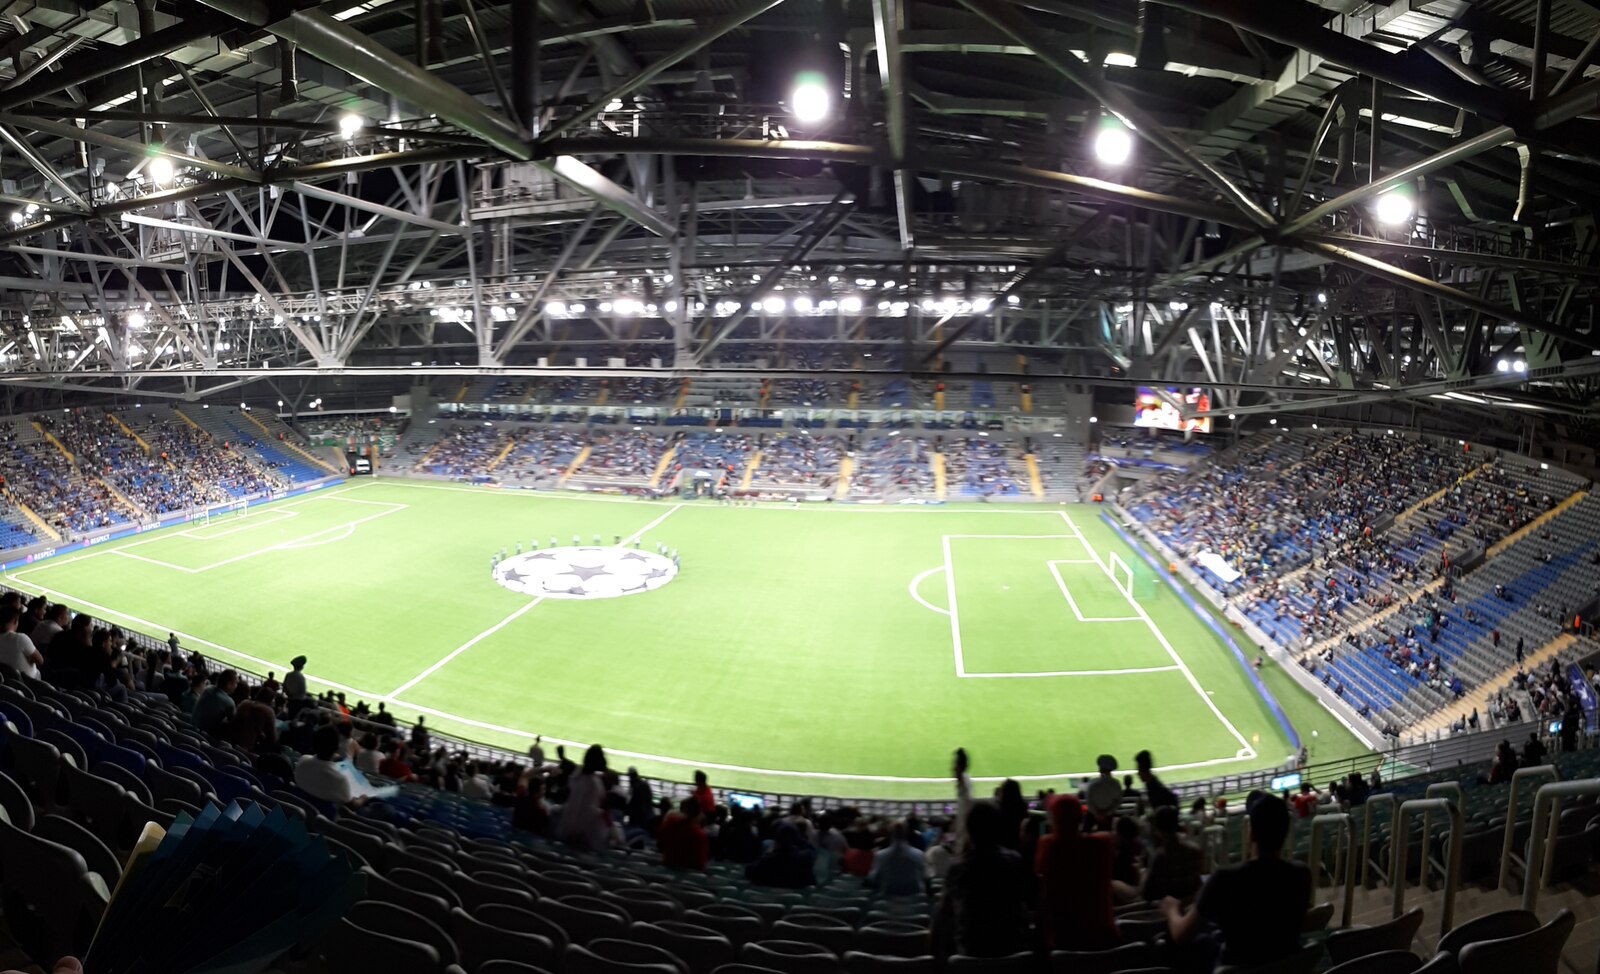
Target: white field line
x=1022 y=676
x=163 y=534
x=269 y=516
x=402 y=688
x=266 y=665
x=575 y=495
x=1245 y=750
x=1062 y=584
x=305 y=541
x=917 y=582
x=950 y=600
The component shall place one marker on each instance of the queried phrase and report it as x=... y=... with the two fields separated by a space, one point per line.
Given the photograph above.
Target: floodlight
x=1395 y=206
x=161 y=171
x=350 y=124
x=1113 y=143
x=1502 y=366
x=850 y=305
x=810 y=101
x=1519 y=365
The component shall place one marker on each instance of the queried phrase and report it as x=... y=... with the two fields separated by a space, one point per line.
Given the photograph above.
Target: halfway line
x=402 y=688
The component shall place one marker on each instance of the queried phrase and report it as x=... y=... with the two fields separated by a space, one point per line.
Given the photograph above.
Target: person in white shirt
x=319 y=774
x=294 y=681
x=55 y=620
x=368 y=759
x=1103 y=794
x=476 y=784
x=16 y=650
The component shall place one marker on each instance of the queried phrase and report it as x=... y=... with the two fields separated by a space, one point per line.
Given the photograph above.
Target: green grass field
x=824 y=649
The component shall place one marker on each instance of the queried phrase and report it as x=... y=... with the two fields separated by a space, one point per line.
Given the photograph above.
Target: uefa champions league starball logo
x=589 y=572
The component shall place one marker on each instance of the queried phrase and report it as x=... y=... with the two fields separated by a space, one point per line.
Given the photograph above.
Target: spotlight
x=350 y=124
x=1394 y=207
x=1502 y=366
x=850 y=305
x=1322 y=297
x=1113 y=143
x=161 y=171
x=809 y=102
x=1519 y=366
x=136 y=320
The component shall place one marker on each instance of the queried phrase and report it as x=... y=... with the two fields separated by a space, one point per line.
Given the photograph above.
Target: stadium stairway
x=226 y=425
x=750 y=468
x=1035 y=482
x=662 y=465
x=15 y=539
x=1479 y=697
x=941 y=484
x=577 y=462
x=847 y=464
x=280 y=436
x=1412 y=511
x=1535 y=524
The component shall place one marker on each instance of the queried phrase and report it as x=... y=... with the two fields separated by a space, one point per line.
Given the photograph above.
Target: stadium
x=799 y=487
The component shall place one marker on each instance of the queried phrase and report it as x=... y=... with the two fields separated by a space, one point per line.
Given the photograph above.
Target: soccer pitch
x=831 y=649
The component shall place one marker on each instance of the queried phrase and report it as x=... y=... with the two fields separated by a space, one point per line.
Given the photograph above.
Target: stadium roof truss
x=197 y=193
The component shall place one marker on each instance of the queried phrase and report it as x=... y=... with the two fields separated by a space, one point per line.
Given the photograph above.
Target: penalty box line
x=305 y=541
x=955 y=620
x=1245 y=749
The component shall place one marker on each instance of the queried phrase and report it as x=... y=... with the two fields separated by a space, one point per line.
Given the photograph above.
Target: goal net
x=1133 y=580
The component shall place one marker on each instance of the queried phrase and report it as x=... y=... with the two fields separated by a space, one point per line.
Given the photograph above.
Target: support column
x=525 y=65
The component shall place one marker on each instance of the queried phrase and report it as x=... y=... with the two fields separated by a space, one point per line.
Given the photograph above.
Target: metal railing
x=1400 y=841
x=1344 y=858
x=1508 y=850
x=1368 y=864
x=1541 y=839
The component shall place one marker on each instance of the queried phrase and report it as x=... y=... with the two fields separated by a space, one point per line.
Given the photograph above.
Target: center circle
x=585 y=572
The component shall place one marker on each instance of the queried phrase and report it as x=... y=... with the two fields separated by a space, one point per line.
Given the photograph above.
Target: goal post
x=1134 y=580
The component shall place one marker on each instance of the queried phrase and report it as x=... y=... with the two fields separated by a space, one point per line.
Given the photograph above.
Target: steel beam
x=355 y=203
x=337 y=43
x=596 y=185
x=1009 y=21
x=1098 y=189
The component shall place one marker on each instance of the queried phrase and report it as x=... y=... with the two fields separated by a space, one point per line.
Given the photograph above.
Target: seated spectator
x=899 y=869
x=682 y=840
x=1075 y=871
x=215 y=706
x=16 y=650
x=55 y=619
x=1255 y=908
x=318 y=774
x=254 y=727
x=1175 y=866
x=369 y=759
x=1305 y=803
x=988 y=894
x=396 y=765
x=789 y=864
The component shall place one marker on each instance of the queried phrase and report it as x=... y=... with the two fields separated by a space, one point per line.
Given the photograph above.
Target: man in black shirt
x=1159 y=794
x=1255 y=907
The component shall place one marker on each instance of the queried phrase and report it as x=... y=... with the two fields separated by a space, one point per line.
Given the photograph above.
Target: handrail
x=1450 y=791
x=1344 y=821
x=1508 y=851
x=1546 y=812
x=1214 y=846
x=1400 y=839
x=1386 y=798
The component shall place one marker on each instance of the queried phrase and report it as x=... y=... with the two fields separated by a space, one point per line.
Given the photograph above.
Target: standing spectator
x=1257 y=906
x=1103 y=794
x=16 y=650
x=899 y=869
x=1157 y=793
x=682 y=840
x=420 y=742
x=536 y=752
x=1074 y=870
x=583 y=822
x=987 y=894
x=703 y=795
x=641 y=801
x=1533 y=752
x=294 y=683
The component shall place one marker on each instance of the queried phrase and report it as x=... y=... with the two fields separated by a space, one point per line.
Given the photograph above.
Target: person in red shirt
x=703 y=795
x=395 y=766
x=682 y=841
x=1305 y=803
x=1074 y=871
